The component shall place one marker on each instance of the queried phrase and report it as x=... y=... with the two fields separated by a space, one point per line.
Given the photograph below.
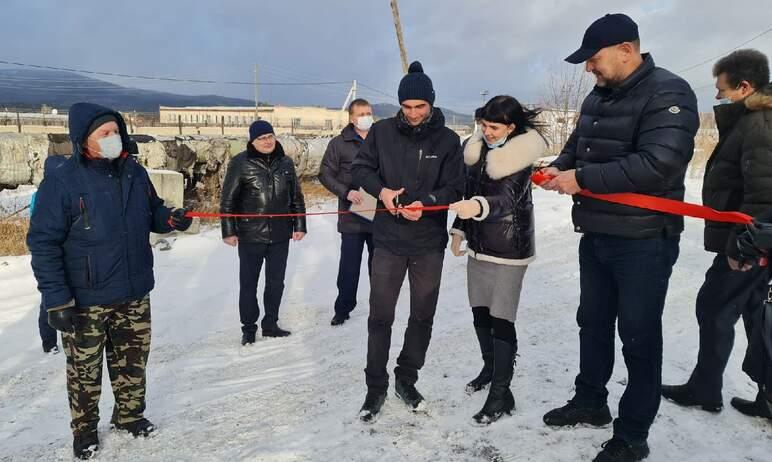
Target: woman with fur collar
x=496 y=220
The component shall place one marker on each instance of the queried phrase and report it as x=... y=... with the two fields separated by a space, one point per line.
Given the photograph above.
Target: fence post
x=222 y=125
x=18 y=121
x=179 y=123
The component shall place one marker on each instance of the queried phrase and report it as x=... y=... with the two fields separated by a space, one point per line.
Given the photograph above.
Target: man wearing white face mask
x=355 y=231
x=91 y=256
x=738 y=177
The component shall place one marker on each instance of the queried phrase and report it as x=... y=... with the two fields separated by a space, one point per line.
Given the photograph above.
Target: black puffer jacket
x=259 y=183
x=638 y=137
x=738 y=176
x=426 y=161
x=335 y=175
x=500 y=179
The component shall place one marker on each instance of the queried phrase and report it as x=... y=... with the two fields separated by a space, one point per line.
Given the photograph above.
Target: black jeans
x=424 y=273
x=758 y=359
x=251 y=258
x=47 y=333
x=625 y=280
x=723 y=298
x=351 y=247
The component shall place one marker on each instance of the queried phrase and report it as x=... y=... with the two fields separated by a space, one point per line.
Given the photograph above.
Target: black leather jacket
x=260 y=183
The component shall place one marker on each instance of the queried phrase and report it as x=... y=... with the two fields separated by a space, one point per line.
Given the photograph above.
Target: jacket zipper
x=84 y=212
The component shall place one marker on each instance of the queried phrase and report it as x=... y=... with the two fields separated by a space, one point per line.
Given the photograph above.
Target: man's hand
x=298 y=236
x=737 y=266
x=455 y=246
x=355 y=197
x=466 y=209
x=387 y=196
x=179 y=221
x=564 y=183
x=412 y=215
x=232 y=241
x=551 y=171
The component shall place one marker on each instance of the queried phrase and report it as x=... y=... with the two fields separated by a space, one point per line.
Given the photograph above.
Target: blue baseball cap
x=607 y=31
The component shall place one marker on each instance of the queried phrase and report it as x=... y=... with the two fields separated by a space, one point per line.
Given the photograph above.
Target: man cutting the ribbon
x=635 y=134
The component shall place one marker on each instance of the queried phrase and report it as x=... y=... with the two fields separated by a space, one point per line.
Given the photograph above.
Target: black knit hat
x=98 y=122
x=416 y=85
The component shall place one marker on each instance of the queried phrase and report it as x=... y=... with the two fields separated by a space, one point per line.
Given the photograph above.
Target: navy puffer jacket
x=89 y=235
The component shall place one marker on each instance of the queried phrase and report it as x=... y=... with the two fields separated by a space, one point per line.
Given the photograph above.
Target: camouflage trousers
x=123 y=332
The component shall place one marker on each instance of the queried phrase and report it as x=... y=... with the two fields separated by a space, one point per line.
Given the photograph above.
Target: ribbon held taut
x=658 y=204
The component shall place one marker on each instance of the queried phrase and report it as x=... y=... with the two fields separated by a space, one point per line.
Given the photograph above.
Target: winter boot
x=573 y=414
x=138 y=428
x=619 y=450
x=500 y=400
x=275 y=331
x=339 y=319
x=760 y=407
x=248 y=338
x=372 y=406
x=485 y=338
x=408 y=393
x=683 y=396
x=85 y=446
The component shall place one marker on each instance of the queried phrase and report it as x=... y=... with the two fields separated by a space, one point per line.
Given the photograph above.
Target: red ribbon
x=429 y=208
x=658 y=204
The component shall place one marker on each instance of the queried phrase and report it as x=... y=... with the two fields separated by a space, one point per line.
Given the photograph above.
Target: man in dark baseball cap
x=607 y=31
x=635 y=135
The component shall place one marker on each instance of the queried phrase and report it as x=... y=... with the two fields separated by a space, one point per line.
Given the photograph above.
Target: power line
x=165 y=79
x=725 y=53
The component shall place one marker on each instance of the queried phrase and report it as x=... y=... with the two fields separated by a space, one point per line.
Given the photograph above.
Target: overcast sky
x=504 y=46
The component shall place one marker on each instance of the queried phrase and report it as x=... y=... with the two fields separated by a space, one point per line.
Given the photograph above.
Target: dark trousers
x=723 y=298
x=625 y=281
x=47 y=333
x=424 y=273
x=251 y=257
x=351 y=248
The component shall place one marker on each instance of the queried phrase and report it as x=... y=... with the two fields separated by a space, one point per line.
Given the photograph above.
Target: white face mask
x=364 y=123
x=724 y=101
x=110 y=147
x=498 y=142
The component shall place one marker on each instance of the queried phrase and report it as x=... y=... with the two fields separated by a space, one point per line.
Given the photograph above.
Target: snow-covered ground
x=296 y=399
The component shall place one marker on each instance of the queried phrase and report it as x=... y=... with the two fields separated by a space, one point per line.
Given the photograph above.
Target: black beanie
x=416 y=85
x=98 y=122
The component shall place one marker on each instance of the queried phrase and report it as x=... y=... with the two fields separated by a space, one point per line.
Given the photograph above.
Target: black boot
x=573 y=414
x=275 y=331
x=409 y=394
x=760 y=407
x=85 y=446
x=248 y=338
x=138 y=428
x=500 y=400
x=372 y=406
x=339 y=319
x=485 y=338
x=619 y=450
x=683 y=396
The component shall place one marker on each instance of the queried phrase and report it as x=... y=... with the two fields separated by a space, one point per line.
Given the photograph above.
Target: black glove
x=62 y=318
x=179 y=221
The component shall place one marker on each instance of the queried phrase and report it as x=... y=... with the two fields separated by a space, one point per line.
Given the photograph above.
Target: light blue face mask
x=497 y=143
x=724 y=101
x=110 y=147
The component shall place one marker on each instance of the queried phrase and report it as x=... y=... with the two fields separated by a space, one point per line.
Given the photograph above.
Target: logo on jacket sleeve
x=674 y=109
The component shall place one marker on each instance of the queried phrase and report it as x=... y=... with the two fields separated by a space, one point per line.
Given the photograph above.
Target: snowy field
x=296 y=399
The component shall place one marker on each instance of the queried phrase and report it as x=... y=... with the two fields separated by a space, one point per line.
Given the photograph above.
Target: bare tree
x=562 y=96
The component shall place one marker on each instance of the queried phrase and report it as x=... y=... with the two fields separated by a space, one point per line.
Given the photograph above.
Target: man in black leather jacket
x=262 y=180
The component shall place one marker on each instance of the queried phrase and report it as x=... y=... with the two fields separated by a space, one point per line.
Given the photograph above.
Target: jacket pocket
x=80 y=272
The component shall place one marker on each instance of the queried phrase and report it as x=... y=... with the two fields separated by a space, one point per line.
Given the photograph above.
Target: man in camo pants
x=89 y=240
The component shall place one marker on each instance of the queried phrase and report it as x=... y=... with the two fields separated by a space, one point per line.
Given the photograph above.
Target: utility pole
x=400 y=39
x=257 y=101
x=483 y=93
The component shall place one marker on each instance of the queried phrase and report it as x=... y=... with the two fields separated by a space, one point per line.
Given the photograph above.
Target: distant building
x=284 y=118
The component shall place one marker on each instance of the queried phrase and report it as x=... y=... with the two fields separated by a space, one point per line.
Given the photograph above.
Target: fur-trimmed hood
x=516 y=154
x=761 y=100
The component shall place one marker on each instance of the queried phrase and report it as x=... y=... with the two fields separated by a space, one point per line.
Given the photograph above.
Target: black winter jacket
x=738 y=176
x=637 y=137
x=335 y=175
x=500 y=179
x=260 y=183
x=427 y=162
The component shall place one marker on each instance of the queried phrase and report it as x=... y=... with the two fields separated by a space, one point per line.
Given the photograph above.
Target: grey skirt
x=495 y=286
